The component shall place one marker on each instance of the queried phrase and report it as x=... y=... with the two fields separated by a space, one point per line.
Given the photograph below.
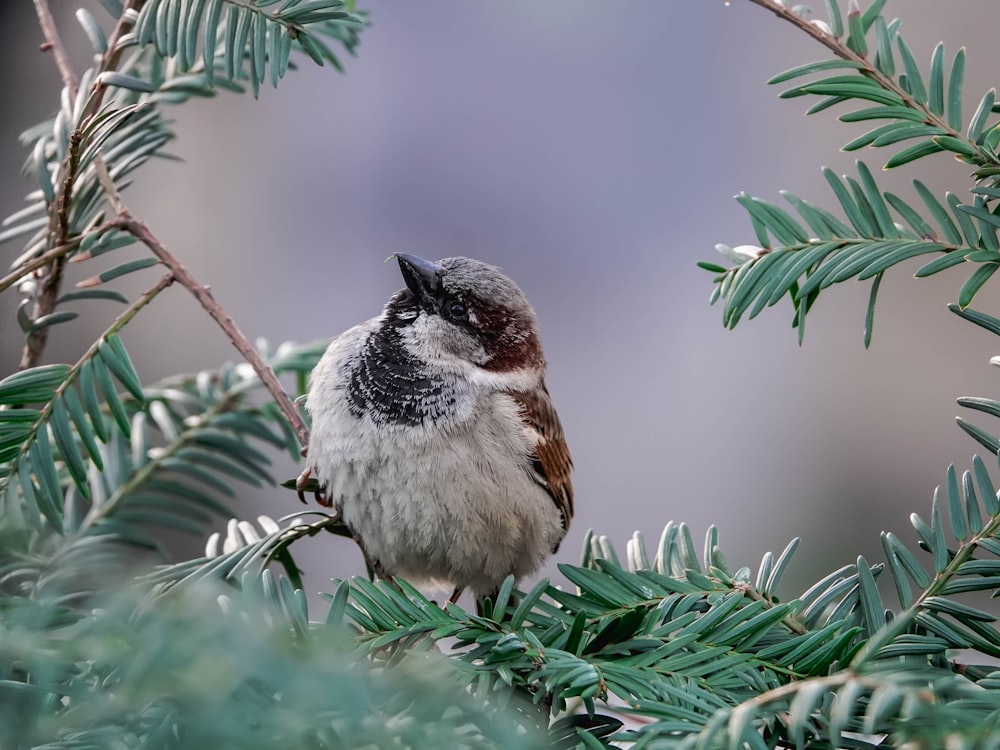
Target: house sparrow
x=434 y=436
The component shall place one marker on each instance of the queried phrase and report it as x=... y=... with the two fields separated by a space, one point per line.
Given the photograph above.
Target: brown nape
x=511 y=340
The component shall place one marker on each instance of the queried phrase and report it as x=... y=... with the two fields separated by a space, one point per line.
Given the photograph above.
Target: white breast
x=451 y=500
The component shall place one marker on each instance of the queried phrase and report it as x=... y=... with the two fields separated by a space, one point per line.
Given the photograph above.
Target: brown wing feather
x=551 y=460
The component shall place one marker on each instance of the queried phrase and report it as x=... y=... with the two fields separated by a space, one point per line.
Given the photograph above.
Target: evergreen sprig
x=876 y=69
x=247 y=549
x=708 y=654
x=209 y=670
x=112 y=122
x=168 y=460
x=256 y=34
x=799 y=257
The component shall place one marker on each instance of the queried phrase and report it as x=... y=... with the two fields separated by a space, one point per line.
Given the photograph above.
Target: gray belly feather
x=435 y=481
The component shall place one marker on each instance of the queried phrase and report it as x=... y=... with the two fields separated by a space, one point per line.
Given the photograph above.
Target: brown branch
x=869 y=70
x=59 y=226
x=64 y=201
x=73 y=373
x=54 y=43
x=112 y=56
x=50 y=280
x=828 y=41
x=110 y=189
x=40 y=261
x=204 y=296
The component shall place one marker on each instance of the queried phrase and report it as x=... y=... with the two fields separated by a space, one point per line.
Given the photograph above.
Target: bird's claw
x=300 y=484
x=319 y=495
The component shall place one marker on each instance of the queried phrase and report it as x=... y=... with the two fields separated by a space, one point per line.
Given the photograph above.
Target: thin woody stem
x=54 y=43
x=40 y=261
x=54 y=258
x=204 y=296
x=111 y=57
x=51 y=277
x=50 y=274
x=869 y=70
x=202 y=293
x=130 y=312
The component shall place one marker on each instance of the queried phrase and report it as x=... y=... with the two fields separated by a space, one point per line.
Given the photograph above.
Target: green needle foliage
x=798 y=256
x=662 y=647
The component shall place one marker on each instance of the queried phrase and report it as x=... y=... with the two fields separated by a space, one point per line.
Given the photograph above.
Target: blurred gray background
x=592 y=151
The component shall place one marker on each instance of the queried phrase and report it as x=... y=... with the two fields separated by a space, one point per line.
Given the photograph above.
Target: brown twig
x=60 y=225
x=54 y=43
x=111 y=57
x=204 y=296
x=50 y=278
x=73 y=373
x=202 y=293
x=110 y=189
x=868 y=69
x=39 y=261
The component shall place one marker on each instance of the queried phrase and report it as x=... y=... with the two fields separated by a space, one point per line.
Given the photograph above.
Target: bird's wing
x=551 y=462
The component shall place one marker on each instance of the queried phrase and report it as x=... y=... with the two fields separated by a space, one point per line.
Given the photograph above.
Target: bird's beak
x=422 y=276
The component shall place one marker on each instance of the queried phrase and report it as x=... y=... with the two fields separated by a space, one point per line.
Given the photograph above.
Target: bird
x=434 y=436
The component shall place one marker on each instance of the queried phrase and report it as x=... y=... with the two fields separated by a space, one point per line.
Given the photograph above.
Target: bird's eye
x=457 y=309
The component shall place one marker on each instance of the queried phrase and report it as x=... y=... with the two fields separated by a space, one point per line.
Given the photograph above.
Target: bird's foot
x=300 y=483
x=303 y=482
x=321 y=497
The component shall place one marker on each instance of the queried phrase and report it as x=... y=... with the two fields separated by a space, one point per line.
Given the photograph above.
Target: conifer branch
x=208 y=302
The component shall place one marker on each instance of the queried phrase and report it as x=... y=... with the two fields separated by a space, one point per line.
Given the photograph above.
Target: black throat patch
x=391 y=386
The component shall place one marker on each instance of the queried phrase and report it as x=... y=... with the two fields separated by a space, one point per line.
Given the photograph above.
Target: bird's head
x=459 y=312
